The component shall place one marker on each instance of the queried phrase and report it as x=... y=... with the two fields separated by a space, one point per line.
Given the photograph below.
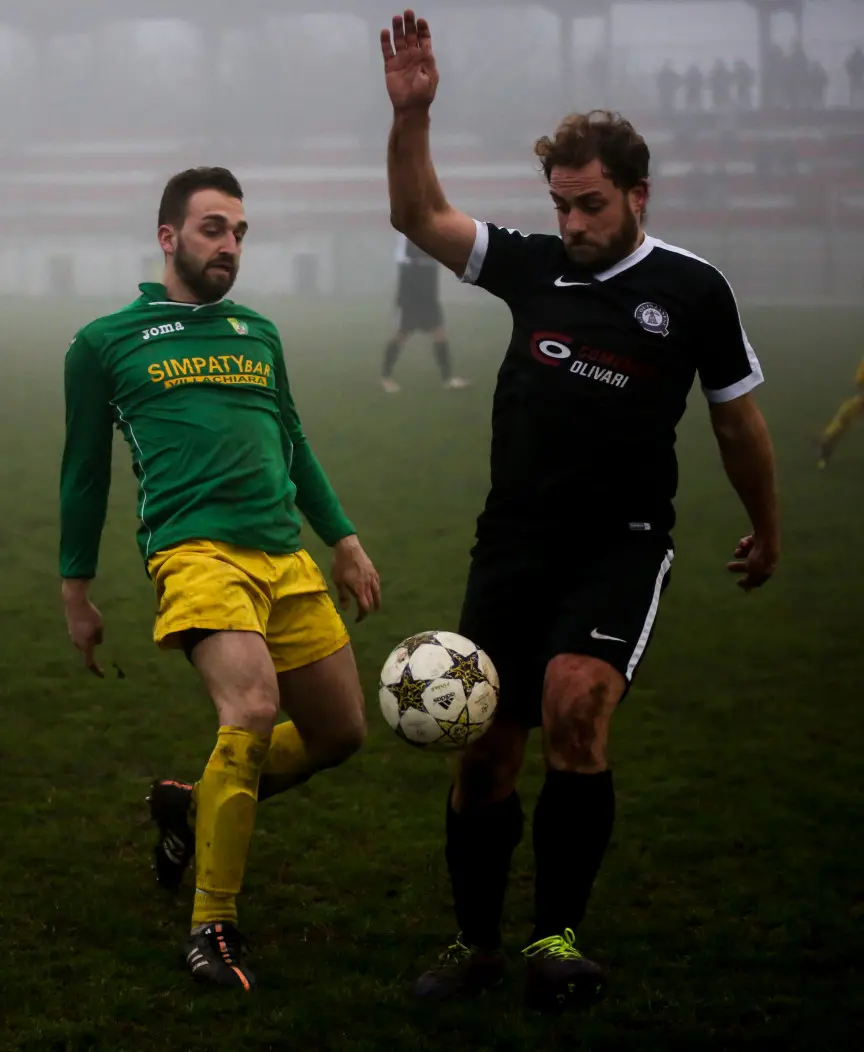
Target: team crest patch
x=239 y=327
x=653 y=318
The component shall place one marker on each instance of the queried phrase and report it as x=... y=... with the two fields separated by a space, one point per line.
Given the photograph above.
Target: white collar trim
x=645 y=249
x=177 y=303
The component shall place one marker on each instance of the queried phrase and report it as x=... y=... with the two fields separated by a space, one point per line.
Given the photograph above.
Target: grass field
x=730 y=909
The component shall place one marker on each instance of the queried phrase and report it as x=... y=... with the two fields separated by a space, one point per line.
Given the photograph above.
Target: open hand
x=354 y=575
x=86 y=631
x=755 y=560
x=409 y=65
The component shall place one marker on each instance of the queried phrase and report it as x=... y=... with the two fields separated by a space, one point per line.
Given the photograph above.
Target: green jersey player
x=198 y=387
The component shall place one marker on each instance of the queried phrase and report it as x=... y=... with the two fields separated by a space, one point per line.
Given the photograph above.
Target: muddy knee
x=580 y=695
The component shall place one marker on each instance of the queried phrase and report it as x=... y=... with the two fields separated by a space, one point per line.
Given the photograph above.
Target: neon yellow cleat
x=559 y=977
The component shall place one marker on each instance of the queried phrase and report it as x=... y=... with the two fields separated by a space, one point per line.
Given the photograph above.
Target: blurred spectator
x=668 y=85
x=796 y=79
x=720 y=85
x=773 y=76
x=744 y=81
x=817 y=86
x=855 y=72
x=694 y=86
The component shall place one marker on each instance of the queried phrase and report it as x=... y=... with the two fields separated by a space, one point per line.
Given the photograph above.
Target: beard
x=208 y=282
x=595 y=258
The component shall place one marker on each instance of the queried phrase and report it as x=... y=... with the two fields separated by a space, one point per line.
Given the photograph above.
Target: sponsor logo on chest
x=591 y=363
x=214 y=369
x=163 y=330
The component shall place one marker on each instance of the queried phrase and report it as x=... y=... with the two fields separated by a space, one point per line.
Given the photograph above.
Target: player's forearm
x=415 y=193
x=748 y=457
x=73 y=590
x=317 y=499
x=83 y=508
x=80 y=538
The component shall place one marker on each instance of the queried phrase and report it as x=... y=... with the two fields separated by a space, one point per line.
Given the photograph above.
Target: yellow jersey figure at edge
x=850 y=411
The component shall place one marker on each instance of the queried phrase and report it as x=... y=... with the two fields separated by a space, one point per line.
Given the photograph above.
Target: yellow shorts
x=223 y=588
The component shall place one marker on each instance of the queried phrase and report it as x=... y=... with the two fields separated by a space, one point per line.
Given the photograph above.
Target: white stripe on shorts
x=645 y=634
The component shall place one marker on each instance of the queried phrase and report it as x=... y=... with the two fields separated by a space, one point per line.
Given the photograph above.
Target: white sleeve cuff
x=478 y=254
x=733 y=391
x=741 y=387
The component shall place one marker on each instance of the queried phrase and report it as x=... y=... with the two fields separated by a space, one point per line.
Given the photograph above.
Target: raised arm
x=418 y=207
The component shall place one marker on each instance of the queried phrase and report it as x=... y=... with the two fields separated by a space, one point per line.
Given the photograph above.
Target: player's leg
x=572 y=825
x=441 y=348
x=483 y=827
x=844 y=418
x=324 y=701
x=391 y=356
x=319 y=687
x=212 y=604
x=483 y=812
x=443 y=355
x=601 y=638
x=238 y=673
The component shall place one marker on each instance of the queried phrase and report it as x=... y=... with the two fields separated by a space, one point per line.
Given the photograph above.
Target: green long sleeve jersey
x=201 y=395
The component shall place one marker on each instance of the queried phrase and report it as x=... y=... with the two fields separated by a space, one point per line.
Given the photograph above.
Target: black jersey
x=419 y=277
x=596 y=379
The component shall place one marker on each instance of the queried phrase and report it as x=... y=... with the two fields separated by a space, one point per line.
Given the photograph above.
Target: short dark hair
x=180 y=187
x=599 y=135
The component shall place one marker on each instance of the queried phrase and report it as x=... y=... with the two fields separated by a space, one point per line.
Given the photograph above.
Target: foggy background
x=754 y=113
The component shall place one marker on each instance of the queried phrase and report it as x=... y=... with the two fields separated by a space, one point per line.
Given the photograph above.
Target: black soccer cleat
x=169 y=808
x=559 y=978
x=214 y=954
x=462 y=972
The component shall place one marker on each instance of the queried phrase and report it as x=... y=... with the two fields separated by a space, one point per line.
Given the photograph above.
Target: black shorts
x=524 y=607
x=420 y=315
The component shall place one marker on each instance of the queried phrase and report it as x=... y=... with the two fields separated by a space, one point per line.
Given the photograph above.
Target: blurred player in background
x=418 y=300
x=198 y=387
x=610 y=329
x=850 y=411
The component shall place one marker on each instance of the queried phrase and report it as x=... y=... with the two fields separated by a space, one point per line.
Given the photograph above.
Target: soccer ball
x=438 y=689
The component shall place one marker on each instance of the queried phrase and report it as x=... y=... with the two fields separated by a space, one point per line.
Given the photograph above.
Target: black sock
x=572 y=826
x=391 y=354
x=480 y=844
x=441 y=350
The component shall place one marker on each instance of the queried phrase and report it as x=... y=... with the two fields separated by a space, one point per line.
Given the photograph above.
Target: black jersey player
x=610 y=329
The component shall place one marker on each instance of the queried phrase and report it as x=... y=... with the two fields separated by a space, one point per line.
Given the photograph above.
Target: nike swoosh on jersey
x=562 y=284
x=612 y=639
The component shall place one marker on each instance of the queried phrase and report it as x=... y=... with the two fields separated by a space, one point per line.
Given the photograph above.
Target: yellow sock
x=288 y=764
x=844 y=418
x=225 y=802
